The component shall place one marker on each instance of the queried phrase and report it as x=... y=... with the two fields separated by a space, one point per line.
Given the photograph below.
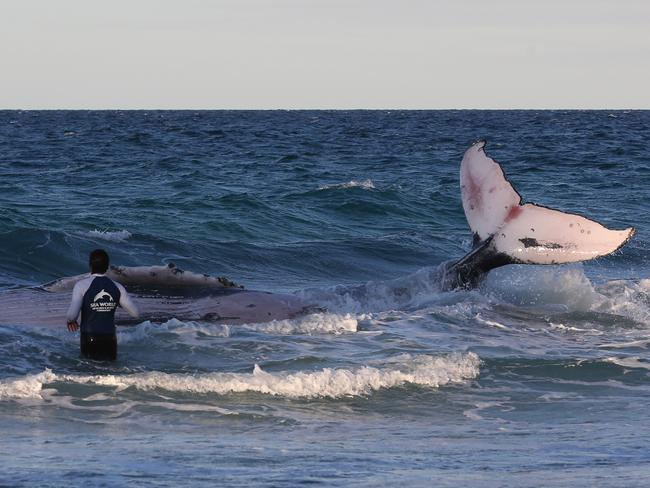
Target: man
x=97 y=297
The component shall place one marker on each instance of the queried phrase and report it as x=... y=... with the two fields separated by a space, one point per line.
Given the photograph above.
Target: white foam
x=186 y=407
x=570 y=287
x=29 y=386
x=426 y=371
x=568 y=328
x=645 y=284
x=474 y=413
x=364 y=184
x=113 y=236
x=625 y=298
x=188 y=331
x=491 y=323
x=320 y=323
x=559 y=396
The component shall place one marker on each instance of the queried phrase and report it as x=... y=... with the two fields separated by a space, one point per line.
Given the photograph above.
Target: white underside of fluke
x=527 y=233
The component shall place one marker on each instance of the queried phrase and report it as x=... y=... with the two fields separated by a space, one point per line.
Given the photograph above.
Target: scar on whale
x=531 y=242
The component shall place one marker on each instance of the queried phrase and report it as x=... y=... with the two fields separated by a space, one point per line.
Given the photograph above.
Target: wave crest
x=363 y=184
x=318 y=323
x=113 y=236
x=314 y=324
x=426 y=371
x=29 y=386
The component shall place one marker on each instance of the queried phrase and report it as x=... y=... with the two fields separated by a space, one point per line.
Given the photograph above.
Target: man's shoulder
x=83 y=283
x=118 y=285
x=105 y=281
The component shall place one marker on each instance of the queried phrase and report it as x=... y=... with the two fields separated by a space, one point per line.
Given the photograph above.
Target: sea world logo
x=103 y=302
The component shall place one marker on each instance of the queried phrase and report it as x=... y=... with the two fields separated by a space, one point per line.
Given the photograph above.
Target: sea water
x=540 y=377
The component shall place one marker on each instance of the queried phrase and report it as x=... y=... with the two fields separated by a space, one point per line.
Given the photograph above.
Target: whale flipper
x=509 y=231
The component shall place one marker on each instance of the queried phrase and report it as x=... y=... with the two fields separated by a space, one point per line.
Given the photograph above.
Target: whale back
x=143 y=277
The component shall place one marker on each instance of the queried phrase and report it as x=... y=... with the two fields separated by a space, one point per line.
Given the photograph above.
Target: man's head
x=98 y=261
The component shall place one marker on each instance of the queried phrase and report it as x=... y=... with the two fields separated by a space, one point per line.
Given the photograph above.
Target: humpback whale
x=506 y=230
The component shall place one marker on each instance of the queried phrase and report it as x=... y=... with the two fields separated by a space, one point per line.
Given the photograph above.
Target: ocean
x=540 y=377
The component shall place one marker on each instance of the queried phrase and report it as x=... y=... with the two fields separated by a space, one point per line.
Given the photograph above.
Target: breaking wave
x=314 y=324
x=113 y=236
x=320 y=323
x=363 y=184
x=425 y=371
x=408 y=292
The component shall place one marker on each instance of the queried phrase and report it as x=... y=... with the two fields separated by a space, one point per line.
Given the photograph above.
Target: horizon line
x=320 y=109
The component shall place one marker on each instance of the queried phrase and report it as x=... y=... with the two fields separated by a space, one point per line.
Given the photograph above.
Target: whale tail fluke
x=508 y=231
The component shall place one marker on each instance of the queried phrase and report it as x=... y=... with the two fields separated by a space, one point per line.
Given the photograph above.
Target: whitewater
x=539 y=377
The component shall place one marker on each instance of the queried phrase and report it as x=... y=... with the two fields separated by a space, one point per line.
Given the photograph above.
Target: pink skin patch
x=513 y=213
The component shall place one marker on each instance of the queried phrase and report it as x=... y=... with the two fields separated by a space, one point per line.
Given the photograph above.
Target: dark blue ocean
x=540 y=377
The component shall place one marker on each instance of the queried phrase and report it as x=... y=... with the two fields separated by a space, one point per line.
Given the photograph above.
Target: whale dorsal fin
x=525 y=232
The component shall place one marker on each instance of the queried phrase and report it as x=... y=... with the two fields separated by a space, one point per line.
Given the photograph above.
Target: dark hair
x=98 y=261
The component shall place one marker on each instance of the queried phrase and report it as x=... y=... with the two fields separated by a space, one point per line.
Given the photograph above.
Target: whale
x=160 y=293
x=505 y=229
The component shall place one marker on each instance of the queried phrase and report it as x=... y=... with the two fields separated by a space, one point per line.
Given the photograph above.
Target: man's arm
x=75 y=308
x=126 y=303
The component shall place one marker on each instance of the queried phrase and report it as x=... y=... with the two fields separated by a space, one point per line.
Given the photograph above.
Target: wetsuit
x=96 y=298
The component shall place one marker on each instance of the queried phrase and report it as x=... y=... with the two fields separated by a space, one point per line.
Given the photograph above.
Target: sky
x=293 y=54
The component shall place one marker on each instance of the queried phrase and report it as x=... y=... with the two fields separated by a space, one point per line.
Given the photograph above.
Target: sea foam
x=363 y=184
x=426 y=371
x=313 y=324
x=113 y=236
x=318 y=323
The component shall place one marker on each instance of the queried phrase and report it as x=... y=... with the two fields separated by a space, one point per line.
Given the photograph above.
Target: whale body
x=506 y=230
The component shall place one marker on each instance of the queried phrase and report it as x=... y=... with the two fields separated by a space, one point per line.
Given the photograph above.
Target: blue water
x=538 y=378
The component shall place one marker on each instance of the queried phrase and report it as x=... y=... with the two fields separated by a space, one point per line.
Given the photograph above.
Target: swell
x=605 y=372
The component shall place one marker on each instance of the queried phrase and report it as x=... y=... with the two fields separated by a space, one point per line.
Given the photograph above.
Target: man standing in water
x=97 y=297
